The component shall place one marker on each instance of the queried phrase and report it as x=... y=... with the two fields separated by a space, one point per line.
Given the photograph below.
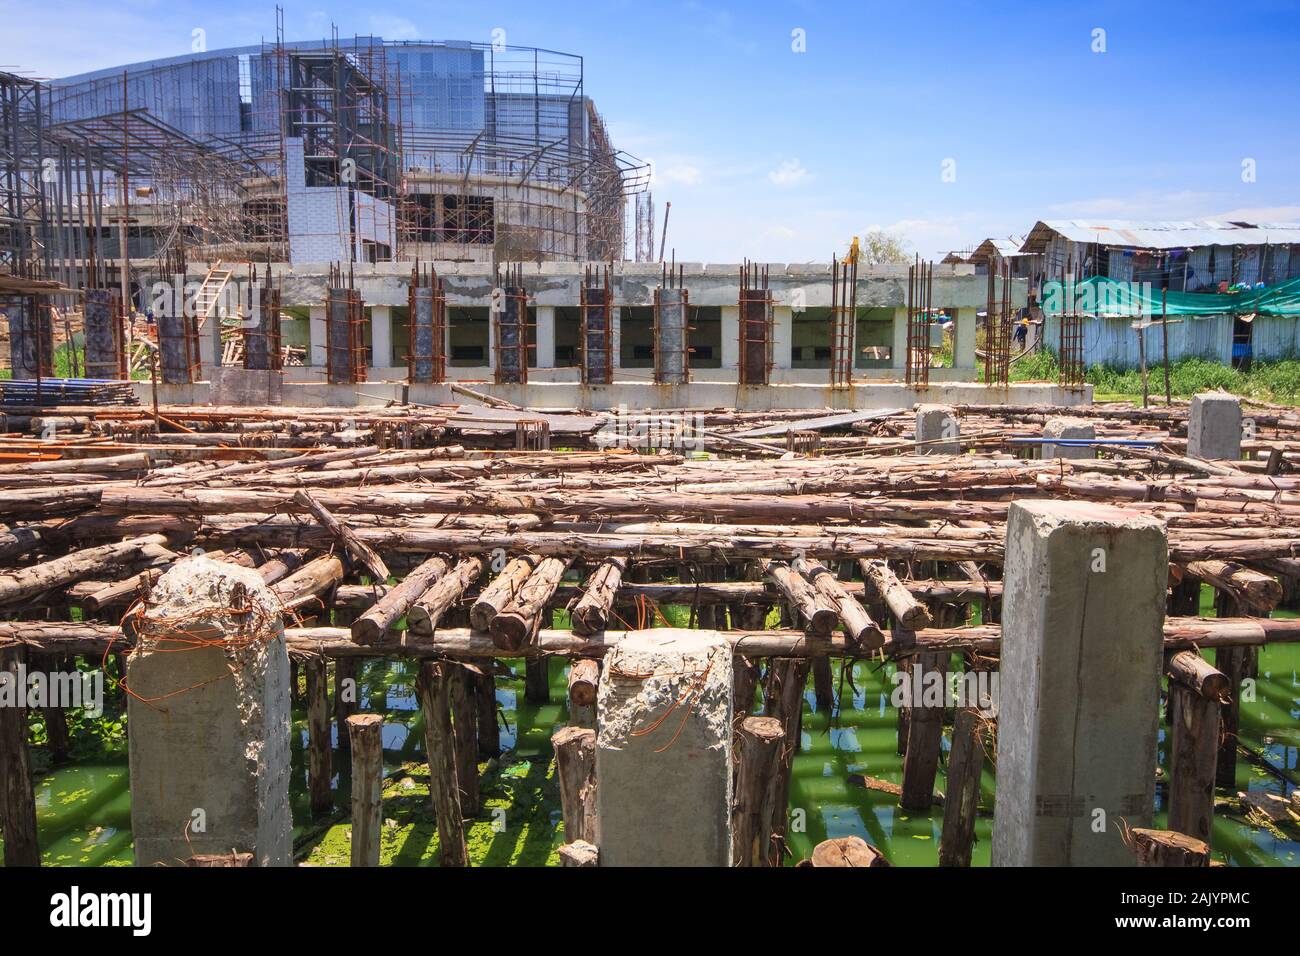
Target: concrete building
x=800 y=373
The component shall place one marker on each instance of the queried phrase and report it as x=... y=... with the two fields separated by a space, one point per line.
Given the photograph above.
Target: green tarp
x=1107 y=297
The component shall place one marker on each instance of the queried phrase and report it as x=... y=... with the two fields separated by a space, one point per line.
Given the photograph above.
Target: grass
x=1277 y=382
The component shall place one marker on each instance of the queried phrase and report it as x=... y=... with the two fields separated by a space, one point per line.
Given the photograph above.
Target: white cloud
x=790 y=173
x=675 y=172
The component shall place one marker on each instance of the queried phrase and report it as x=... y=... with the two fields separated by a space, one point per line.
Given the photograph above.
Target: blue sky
x=782 y=156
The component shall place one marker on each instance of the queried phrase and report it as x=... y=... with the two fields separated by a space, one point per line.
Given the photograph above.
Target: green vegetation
x=1265 y=381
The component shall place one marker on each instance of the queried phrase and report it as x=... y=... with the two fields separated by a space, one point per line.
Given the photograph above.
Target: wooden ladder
x=209 y=294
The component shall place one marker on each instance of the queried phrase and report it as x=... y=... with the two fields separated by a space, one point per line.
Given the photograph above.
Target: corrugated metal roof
x=1160 y=234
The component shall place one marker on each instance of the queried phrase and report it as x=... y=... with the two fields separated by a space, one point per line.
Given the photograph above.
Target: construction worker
x=1021 y=334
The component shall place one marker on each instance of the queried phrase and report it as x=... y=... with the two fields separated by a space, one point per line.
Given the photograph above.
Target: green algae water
x=83 y=808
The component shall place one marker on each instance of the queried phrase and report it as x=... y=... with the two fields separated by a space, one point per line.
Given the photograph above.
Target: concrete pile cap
x=1057 y=427
x=1050 y=513
x=204 y=600
x=662 y=668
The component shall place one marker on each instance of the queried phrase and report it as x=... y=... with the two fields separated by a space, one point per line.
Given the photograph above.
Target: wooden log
x=319 y=771
x=307 y=584
x=813 y=608
x=584 y=677
x=500 y=592
x=1194 y=721
x=823 y=684
x=744 y=682
x=965 y=767
x=464 y=729
x=910 y=612
x=1231 y=662
x=786 y=678
x=56 y=718
x=591 y=613
x=515 y=623
x=17 y=797
x=537 y=679
x=28 y=582
x=485 y=699
x=575 y=767
x=853 y=616
x=20 y=540
x=846 y=851
x=758 y=744
x=366 y=736
x=281 y=565
x=579 y=853
x=347 y=697
x=1195 y=672
x=1253 y=590
x=430 y=607
x=444 y=790
x=924 y=738
x=1167 y=848
x=359 y=550
x=397 y=600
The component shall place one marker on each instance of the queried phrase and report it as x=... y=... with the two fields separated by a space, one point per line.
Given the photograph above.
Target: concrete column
x=381 y=336
x=1214 y=426
x=937 y=421
x=730 y=325
x=210 y=345
x=316 y=335
x=782 y=336
x=1076 y=428
x=1079 y=684
x=664 y=795
x=616 y=337
x=209 y=742
x=899 y=353
x=546 y=336
x=963 y=343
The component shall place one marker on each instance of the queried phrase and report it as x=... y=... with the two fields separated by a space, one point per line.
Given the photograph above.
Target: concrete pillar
x=316 y=335
x=381 y=336
x=545 y=336
x=898 y=355
x=937 y=421
x=616 y=336
x=782 y=336
x=1214 y=426
x=210 y=345
x=1076 y=428
x=1079 y=682
x=664 y=795
x=730 y=325
x=209 y=741
x=963 y=342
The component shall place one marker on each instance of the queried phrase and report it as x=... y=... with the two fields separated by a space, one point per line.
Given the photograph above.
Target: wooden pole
x=910 y=612
x=432 y=684
x=759 y=745
x=514 y=625
x=786 y=678
x=359 y=550
x=432 y=606
x=575 y=767
x=397 y=600
x=464 y=728
x=366 y=736
x=1231 y=662
x=584 y=677
x=347 y=697
x=500 y=592
x=1166 y=848
x=318 y=737
x=17 y=797
x=485 y=699
x=1195 y=721
x=591 y=613
x=924 y=738
x=965 y=767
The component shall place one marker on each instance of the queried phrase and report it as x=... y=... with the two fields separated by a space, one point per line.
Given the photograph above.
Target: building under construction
x=356 y=149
